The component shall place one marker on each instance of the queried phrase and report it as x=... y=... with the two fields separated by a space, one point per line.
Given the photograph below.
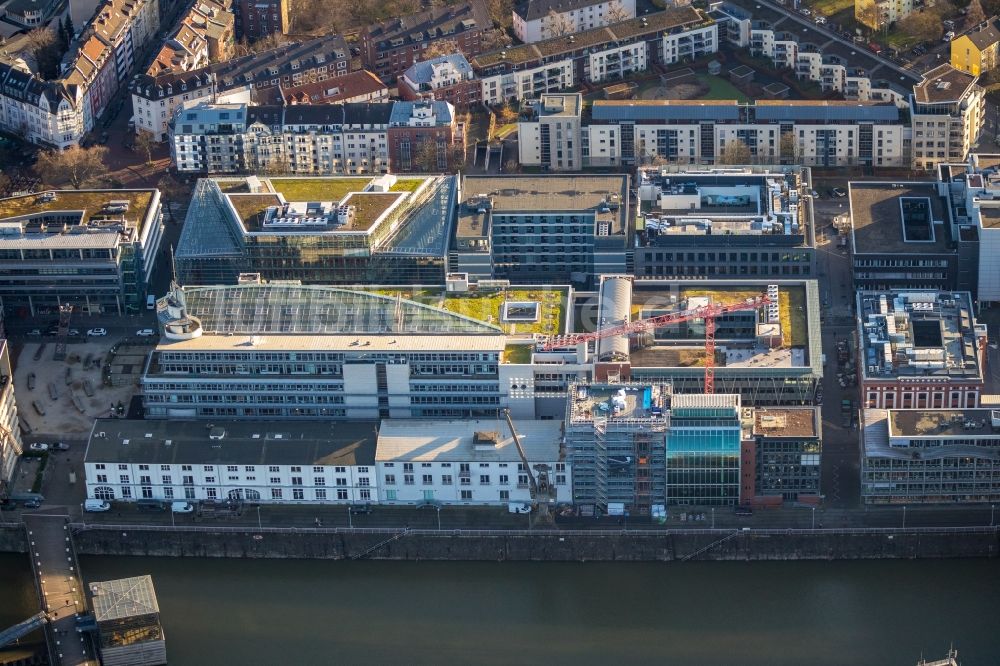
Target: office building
x=93 y=249
x=724 y=222
x=470 y=462
x=317 y=231
x=947 y=112
x=703 y=450
x=236 y=461
x=542 y=229
x=901 y=237
x=973 y=189
x=537 y=20
x=920 y=349
x=780 y=455
x=389 y=48
x=941 y=456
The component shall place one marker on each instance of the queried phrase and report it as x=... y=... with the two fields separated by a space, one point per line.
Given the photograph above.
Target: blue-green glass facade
x=703 y=456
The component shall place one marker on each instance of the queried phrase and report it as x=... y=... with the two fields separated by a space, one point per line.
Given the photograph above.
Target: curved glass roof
x=282 y=309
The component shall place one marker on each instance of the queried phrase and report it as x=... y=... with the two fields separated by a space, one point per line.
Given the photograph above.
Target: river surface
x=323 y=612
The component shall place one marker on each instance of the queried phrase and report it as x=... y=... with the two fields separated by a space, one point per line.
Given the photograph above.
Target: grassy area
x=722 y=295
x=485 y=306
x=369 y=206
x=92 y=203
x=505 y=130
x=406 y=185
x=517 y=354
x=233 y=186
x=792 y=307
x=720 y=88
x=828 y=7
x=251 y=207
x=318 y=189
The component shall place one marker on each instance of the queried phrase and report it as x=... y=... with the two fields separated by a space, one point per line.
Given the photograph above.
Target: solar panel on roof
x=879 y=113
x=665 y=112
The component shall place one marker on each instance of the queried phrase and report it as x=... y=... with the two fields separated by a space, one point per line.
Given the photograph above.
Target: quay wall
x=537 y=545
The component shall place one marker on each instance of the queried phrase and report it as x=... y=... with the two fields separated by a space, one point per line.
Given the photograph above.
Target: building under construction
x=762 y=341
x=128 y=622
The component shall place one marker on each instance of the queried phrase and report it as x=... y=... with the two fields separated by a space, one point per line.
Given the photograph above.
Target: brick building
x=416 y=126
x=256 y=19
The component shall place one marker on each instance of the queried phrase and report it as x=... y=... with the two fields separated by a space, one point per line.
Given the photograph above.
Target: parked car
x=60 y=446
x=35 y=332
x=358 y=509
x=38 y=446
x=820 y=20
x=839 y=192
x=805 y=12
x=145 y=333
x=182 y=507
x=97 y=332
x=948 y=36
x=74 y=332
x=32 y=504
x=518 y=507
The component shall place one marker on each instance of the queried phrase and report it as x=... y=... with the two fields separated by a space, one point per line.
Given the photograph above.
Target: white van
x=518 y=507
x=151 y=302
x=182 y=507
x=96 y=505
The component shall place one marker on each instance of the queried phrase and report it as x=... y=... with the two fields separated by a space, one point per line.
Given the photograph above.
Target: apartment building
x=204 y=35
x=974 y=193
x=976 y=51
x=920 y=456
x=43 y=112
x=256 y=19
x=95 y=76
x=724 y=222
x=317 y=230
x=11 y=444
x=446 y=78
x=538 y=20
x=155 y=98
x=780 y=455
x=947 y=112
x=552 y=140
x=470 y=462
x=325 y=139
x=542 y=229
x=879 y=14
x=126 y=26
x=29 y=14
x=902 y=237
x=232 y=461
x=596 y=55
x=629 y=132
x=93 y=249
x=391 y=47
x=920 y=350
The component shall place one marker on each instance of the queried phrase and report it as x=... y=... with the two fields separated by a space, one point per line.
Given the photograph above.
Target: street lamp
x=814 y=517
x=992 y=508
x=439 y=517
x=259 y=525
x=350 y=521
x=904 y=517
x=713 y=517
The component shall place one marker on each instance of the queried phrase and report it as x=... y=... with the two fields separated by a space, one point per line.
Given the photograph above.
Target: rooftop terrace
x=785 y=422
x=617 y=402
x=964 y=423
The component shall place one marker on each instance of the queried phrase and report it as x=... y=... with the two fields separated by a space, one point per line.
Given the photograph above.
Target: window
x=484 y=479
x=467 y=494
x=504 y=480
x=321 y=493
x=319 y=481
x=341 y=494
x=407 y=467
x=365 y=494
x=232 y=468
x=249 y=468
x=317 y=470
x=341 y=481
x=504 y=495
x=104 y=493
x=273 y=468
x=276 y=480
x=390 y=495
x=390 y=479
x=276 y=493
x=298 y=493
x=428 y=480
x=446 y=479
x=209 y=468
x=363 y=481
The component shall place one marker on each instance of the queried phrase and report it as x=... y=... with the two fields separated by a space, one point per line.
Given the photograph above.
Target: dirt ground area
x=61 y=387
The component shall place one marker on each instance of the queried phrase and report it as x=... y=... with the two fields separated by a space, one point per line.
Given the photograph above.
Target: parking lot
x=64 y=397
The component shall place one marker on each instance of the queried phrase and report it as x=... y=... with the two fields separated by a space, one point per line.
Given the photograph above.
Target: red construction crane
x=708 y=313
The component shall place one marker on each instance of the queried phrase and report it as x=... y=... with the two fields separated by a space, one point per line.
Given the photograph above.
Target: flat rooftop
x=785 y=422
x=912 y=333
x=963 y=423
x=943 y=84
x=878 y=218
x=471 y=440
x=989 y=215
x=616 y=402
x=73 y=218
x=232 y=442
x=543 y=194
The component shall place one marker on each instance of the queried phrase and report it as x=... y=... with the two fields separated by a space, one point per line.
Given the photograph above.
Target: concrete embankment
x=746 y=545
x=13 y=538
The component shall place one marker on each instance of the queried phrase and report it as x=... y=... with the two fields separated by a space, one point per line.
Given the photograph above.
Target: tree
x=76 y=166
x=866 y=13
x=924 y=24
x=501 y=13
x=425 y=157
x=559 y=25
x=616 y=12
x=789 y=148
x=144 y=144
x=974 y=14
x=735 y=152
x=440 y=47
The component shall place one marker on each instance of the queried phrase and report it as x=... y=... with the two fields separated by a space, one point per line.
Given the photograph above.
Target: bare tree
x=923 y=24
x=501 y=13
x=788 y=147
x=425 y=157
x=75 y=166
x=559 y=25
x=144 y=144
x=735 y=152
x=974 y=14
x=866 y=13
x=47 y=49
x=616 y=12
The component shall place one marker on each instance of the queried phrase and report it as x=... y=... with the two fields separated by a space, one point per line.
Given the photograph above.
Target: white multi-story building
x=879 y=14
x=469 y=461
x=537 y=20
x=812 y=133
x=232 y=461
x=10 y=428
x=947 y=113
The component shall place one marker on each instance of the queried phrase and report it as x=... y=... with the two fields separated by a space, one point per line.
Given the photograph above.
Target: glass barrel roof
x=293 y=309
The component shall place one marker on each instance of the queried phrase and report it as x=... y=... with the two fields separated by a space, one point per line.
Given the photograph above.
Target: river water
x=322 y=612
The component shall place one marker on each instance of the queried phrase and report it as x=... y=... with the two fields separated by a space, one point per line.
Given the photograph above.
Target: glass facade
x=703 y=455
